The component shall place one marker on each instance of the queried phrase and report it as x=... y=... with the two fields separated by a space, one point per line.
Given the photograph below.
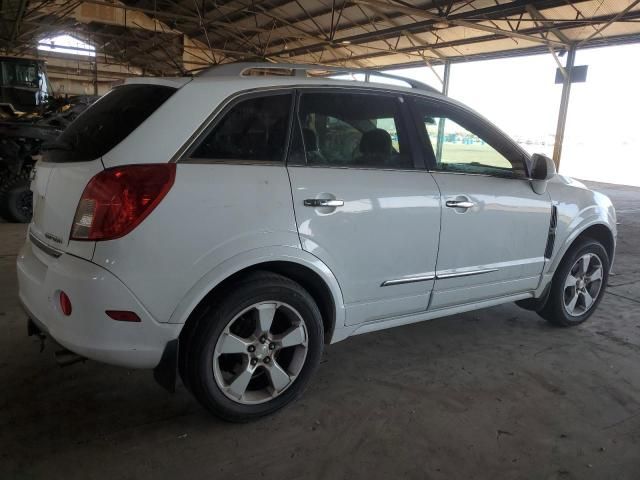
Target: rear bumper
x=88 y=331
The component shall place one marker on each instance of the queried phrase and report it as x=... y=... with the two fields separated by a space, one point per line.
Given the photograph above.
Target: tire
x=239 y=370
x=16 y=199
x=566 y=306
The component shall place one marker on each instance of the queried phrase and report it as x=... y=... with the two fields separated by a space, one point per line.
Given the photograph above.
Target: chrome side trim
x=44 y=247
x=464 y=274
x=401 y=281
x=426 y=278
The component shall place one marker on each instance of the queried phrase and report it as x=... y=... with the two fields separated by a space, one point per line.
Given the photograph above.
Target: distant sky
x=66 y=44
x=602 y=139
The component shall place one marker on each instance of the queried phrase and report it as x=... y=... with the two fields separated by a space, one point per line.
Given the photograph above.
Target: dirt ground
x=495 y=394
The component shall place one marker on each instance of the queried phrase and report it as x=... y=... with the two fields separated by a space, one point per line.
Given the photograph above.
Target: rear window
x=106 y=123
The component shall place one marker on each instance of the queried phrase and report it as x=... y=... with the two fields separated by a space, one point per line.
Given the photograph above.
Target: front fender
x=252 y=258
x=578 y=209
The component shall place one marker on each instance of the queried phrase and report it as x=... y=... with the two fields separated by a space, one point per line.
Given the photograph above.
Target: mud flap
x=536 y=304
x=166 y=371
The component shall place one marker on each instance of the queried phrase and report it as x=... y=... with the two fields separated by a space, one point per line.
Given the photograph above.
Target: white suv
x=228 y=226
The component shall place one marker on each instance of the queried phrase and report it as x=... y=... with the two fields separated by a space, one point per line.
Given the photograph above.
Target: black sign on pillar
x=577 y=74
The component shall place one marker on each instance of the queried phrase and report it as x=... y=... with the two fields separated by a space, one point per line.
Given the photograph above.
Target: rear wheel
x=578 y=285
x=255 y=350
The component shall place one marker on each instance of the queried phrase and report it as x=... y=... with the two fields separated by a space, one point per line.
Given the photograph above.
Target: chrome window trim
x=472 y=174
x=357 y=168
x=214 y=161
x=179 y=156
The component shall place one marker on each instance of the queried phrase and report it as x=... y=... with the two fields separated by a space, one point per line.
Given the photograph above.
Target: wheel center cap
x=262 y=350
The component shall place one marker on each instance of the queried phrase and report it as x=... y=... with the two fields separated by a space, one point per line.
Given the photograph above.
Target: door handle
x=320 y=202
x=459 y=204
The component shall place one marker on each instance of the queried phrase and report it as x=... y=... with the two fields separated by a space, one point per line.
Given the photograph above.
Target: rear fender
x=255 y=257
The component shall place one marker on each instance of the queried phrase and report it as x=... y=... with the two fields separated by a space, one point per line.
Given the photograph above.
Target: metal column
x=445 y=91
x=95 y=78
x=564 y=106
x=445 y=80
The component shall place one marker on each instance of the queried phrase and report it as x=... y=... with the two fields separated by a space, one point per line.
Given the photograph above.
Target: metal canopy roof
x=166 y=37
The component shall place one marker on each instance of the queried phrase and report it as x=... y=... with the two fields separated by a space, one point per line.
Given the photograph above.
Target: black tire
x=16 y=199
x=555 y=311
x=197 y=356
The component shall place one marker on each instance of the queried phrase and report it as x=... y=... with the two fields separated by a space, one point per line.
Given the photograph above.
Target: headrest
x=376 y=141
x=310 y=140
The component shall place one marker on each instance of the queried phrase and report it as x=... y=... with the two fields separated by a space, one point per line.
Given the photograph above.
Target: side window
x=351 y=130
x=464 y=145
x=254 y=129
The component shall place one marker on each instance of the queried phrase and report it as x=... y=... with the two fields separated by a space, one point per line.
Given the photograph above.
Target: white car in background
x=228 y=226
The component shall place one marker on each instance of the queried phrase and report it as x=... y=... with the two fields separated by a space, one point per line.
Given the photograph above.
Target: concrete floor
x=490 y=394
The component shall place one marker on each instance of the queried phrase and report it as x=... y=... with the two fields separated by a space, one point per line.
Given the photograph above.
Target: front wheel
x=578 y=285
x=256 y=349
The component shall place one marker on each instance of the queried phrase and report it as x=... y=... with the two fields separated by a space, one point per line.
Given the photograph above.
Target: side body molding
x=255 y=257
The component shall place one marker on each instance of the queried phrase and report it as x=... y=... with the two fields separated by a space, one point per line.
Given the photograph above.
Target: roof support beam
x=614 y=19
x=418 y=12
x=493 y=12
x=536 y=15
x=16 y=25
x=488 y=38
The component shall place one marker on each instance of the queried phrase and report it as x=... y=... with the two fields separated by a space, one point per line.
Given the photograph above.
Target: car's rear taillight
x=116 y=200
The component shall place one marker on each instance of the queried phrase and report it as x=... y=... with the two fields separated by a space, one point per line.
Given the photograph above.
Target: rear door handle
x=319 y=202
x=459 y=204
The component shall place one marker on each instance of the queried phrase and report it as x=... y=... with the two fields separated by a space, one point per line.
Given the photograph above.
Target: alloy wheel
x=583 y=284
x=260 y=352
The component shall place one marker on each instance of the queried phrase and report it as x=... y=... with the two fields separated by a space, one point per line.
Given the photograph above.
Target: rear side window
x=339 y=129
x=252 y=130
x=107 y=122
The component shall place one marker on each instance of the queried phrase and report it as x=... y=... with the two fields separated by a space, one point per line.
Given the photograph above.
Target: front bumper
x=88 y=331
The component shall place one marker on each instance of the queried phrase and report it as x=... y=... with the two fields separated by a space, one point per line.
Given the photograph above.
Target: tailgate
x=57 y=188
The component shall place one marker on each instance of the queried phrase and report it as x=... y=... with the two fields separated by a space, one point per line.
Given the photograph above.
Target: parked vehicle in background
x=29 y=117
x=226 y=227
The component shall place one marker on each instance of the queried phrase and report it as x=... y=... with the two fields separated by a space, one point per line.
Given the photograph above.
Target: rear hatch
x=74 y=158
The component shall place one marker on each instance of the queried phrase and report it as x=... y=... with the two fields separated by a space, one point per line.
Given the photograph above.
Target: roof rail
x=239 y=69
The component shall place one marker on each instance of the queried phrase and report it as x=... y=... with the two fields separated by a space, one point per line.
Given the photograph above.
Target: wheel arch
x=596 y=231
x=313 y=275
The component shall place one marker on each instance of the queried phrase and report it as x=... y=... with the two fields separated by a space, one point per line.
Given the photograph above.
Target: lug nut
x=266 y=360
x=263 y=339
x=251 y=348
x=254 y=361
x=272 y=346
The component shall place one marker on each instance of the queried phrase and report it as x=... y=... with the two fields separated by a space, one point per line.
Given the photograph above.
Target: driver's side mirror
x=542 y=170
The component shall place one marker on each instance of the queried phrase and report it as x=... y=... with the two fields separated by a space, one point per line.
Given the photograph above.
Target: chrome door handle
x=319 y=202
x=459 y=204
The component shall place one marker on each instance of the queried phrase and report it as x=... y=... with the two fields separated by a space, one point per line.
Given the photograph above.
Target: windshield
x=20 y=74
x=107 y=122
